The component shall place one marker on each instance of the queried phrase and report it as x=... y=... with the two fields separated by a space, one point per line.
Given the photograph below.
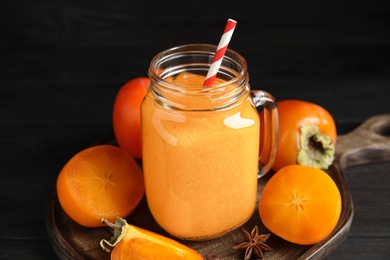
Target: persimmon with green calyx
x=131 y=242
x=307 y=135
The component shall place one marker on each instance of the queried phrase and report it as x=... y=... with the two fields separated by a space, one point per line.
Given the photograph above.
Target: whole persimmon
x=301 y=204
x=102 y=181
x=126 y=115
x=307 y=135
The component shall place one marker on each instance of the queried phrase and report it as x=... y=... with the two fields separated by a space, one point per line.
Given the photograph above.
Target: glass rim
x=199 y=48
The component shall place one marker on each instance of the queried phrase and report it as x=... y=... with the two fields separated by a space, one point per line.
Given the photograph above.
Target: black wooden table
x=62 y=63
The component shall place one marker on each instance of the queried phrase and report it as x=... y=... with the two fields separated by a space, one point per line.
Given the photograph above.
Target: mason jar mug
x=201 y=144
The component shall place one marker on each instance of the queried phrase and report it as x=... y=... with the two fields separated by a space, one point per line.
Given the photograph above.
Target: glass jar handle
x=269 y=129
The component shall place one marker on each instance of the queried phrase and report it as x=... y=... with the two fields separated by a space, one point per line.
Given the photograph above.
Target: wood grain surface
x=366 y=144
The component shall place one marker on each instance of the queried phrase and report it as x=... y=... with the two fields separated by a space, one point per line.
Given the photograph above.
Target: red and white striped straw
x=220 y=52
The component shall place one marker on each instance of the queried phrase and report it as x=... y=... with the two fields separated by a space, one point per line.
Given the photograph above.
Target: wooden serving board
x=369 y=143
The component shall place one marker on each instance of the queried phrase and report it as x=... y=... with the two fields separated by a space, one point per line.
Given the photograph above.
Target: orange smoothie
x=200 y=167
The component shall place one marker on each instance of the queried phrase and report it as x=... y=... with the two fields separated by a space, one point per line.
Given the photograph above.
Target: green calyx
x=120 y=229
x=317 y=149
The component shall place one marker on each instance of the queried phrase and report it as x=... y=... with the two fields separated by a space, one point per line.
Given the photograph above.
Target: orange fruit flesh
x=143 y=245
x=300 y=204
x=100 y=182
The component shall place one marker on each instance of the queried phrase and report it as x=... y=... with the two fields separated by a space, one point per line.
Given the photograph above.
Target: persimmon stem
x=317 y=149
x=110 y=224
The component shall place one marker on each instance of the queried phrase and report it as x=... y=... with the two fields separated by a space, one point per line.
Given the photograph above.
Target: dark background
x=62 y=63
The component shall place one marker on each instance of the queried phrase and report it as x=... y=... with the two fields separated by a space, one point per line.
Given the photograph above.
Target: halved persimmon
x=300 y=204
x=131 y=242
x=102 y=181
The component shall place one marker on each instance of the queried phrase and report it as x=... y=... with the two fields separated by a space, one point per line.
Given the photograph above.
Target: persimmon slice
x=131 y=242
x=300 y=204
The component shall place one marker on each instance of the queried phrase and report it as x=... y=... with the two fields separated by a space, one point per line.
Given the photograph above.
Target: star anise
x=254 y=243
